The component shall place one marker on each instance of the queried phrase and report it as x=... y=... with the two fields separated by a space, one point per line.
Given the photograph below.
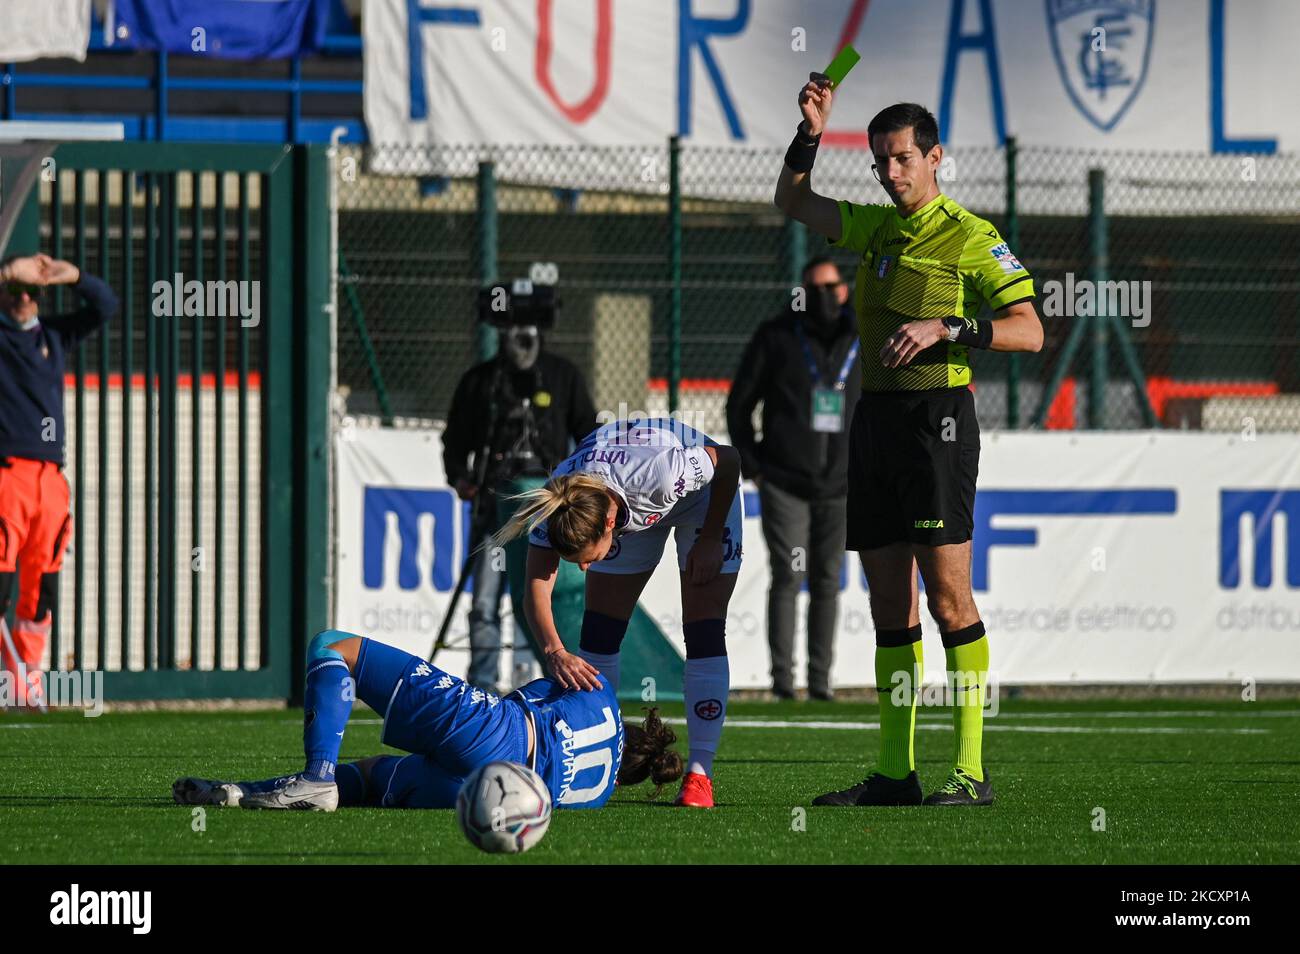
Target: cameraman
x=523 y=405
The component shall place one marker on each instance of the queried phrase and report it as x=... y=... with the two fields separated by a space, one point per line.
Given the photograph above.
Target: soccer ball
x=504 y=808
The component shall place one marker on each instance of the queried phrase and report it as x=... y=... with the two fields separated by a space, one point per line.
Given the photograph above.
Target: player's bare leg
x=891 y=579
x=348 y=649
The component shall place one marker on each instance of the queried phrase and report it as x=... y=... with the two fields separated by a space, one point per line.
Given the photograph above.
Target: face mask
x=823 y=306
x=521 y=345
x=20 y=324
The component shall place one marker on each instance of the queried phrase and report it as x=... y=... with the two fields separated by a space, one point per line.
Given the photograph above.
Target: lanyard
x=812 y=361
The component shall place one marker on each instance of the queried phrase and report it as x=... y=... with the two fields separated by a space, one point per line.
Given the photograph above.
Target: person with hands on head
x=609 y=508
x=927 y=270
x=34 y=496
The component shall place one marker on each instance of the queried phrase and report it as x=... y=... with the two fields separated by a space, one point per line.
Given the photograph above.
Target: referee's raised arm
x=794 y=194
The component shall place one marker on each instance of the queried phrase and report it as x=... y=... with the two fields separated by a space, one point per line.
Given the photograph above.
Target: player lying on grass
x=609 y=508
x=574 y=740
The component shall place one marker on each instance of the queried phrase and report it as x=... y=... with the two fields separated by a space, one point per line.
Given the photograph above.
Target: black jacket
x=564 y=410
x=774 y=370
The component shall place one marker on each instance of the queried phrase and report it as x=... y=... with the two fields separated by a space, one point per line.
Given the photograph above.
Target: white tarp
x=36 y=29
x=1192 y=75
x=1116 y=557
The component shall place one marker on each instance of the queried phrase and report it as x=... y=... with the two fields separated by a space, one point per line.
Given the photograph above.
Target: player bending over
x=573 y=740
x=609 y=507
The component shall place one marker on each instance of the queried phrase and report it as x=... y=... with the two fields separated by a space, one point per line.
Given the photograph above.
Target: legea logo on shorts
x=928 y=525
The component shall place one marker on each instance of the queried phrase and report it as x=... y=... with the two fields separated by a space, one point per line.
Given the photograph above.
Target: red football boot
x=697 y=791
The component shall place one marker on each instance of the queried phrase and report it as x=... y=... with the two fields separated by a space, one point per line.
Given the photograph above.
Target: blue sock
x=706 y=682
x=329 y=695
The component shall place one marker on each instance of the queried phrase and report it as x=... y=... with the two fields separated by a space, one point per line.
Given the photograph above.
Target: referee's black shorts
x=913 y=460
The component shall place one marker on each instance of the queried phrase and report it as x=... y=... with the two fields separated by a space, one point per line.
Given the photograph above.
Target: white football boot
x=203 y=791
x=296 y=792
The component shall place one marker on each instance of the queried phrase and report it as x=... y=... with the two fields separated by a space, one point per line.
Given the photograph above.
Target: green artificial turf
x=1179 y=782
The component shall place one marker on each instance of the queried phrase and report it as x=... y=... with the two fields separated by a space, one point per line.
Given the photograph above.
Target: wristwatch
x=954 y=327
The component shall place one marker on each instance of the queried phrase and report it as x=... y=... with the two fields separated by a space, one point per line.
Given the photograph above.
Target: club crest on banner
x=1102 y=50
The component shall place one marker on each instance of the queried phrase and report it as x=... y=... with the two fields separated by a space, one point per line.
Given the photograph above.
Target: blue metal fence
x=161 y=124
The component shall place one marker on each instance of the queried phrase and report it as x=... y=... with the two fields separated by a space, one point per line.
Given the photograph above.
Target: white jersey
x=649 y=465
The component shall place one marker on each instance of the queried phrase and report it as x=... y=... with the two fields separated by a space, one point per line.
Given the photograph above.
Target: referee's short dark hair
x=907 y=116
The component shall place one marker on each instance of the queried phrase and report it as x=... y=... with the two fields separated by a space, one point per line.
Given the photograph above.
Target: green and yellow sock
x=898 y=655
x=967 y=654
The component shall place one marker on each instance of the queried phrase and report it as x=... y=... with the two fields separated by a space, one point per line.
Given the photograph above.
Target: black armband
x=978 y=336
x=803 y=150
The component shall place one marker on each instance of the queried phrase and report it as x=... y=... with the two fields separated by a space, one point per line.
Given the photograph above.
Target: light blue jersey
x=579 y=740
x=452 y=728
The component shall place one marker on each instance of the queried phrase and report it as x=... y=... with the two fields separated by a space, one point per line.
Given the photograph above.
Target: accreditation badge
x=827 y=410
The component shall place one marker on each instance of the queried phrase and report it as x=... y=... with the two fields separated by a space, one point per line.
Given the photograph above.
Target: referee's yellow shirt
x=939 y=262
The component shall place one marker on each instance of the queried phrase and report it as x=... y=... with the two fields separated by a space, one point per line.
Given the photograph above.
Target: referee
x=927 y=268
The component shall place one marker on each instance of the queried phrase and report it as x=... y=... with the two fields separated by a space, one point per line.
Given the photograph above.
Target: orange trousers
x=35 y=526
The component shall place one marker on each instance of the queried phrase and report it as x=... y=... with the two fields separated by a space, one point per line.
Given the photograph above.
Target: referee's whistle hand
x=910 y=340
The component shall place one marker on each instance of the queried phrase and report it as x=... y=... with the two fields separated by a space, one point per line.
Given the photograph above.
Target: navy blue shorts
x=399 y=781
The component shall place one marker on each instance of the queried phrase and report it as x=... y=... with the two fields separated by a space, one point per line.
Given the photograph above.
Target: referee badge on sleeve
x=1003 y=255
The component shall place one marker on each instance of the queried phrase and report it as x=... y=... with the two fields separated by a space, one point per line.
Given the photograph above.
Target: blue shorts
x=434 y=714
x=399 y=781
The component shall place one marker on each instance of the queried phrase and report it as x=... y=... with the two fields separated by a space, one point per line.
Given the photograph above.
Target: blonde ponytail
x=574 y=507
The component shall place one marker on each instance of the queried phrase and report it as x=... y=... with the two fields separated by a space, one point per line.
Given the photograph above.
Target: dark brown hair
x=900 y=116
x=647 y=753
